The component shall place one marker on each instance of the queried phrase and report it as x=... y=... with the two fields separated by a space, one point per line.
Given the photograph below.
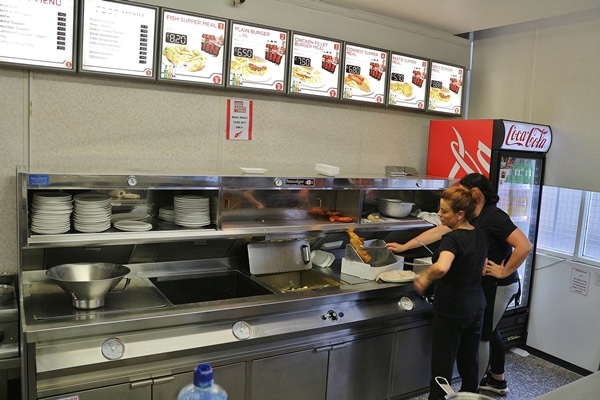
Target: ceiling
x=463 y=16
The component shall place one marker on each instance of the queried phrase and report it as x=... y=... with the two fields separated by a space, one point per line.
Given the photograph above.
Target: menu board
x=118 y=38
x=364 y=74
x=314 y=66
x=445 y=91
x=257 y=57
x=407 y=81
x=192 y=48
x=38 y=33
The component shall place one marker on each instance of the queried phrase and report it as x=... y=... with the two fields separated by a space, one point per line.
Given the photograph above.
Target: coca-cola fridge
x=512 y=155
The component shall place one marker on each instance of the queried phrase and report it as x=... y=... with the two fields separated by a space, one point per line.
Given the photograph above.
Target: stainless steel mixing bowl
x=88 y=283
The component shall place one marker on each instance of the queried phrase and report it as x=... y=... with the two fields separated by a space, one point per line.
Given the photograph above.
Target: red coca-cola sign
x=526 y=137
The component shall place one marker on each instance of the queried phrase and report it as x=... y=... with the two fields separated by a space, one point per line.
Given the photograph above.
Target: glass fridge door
x=519 y=189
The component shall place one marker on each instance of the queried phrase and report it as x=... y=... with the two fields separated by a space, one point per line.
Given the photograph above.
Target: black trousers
x=455 y=340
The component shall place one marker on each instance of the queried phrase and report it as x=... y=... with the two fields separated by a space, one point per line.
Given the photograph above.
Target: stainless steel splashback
x=279 y=256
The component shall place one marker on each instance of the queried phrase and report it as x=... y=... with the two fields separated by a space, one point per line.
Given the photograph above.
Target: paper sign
x=239 y=119
x=580 y=281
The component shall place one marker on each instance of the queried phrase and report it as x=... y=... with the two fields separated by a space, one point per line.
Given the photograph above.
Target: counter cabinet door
x=121 y=392
x=294 y=376
x=412 y=360
x=360 y=369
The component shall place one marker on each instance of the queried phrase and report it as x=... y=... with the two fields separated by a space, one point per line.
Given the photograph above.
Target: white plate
x=253 y=170
x=397 y=276
x=132 y=226
x=321 y=258
x=128 y=216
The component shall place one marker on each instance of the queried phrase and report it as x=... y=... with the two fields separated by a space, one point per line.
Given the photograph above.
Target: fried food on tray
x=357 y=243
x=358 y=82
x=339 y=218
x=182 y=55
x=306 y=74
x=249 y=66
x=403 y=88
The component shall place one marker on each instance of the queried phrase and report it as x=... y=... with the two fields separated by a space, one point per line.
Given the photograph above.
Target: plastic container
x=203 y=387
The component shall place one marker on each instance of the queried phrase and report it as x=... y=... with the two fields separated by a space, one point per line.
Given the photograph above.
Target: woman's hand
x=494 y=270
x=396 y=247
x=421 y=284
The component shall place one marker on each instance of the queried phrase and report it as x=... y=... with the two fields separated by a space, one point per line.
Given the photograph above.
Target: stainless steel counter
x=582 y=389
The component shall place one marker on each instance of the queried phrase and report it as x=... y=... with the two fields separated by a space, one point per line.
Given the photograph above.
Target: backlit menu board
x=445 y=89
x=314 y=66
x=192 y=48
x=118 y=38
x=38 y=33
x=364 y=74
x=257 y=57
x=407 y=81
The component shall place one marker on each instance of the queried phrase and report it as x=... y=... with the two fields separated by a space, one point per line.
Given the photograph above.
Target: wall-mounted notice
x=445 y=91
x=365 y=74
x=38 y=33
x=118 y=38
x=257 y=57
x=580 y=281
x=192 y=48
x=408 y=81
x=314 y=69
x=239 y=119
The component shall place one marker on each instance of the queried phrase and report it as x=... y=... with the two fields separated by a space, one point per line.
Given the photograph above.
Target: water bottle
x=203 y=387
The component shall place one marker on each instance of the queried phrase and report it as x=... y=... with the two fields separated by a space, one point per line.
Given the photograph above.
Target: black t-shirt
x=497 y=226
x=459 y=294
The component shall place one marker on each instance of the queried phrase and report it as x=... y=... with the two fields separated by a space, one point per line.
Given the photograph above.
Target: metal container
x=7 y=293
x=452 y=395
x=88 y=283
x=394 y=208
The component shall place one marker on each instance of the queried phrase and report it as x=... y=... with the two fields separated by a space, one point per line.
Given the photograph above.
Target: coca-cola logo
x=534 y=138
x=465 y=161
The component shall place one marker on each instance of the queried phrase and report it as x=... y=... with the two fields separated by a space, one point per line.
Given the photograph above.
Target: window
x=566 y=226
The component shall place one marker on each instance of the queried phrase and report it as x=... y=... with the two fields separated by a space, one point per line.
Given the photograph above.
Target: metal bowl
x=394 y=208
x=88 y=283
x=7 y=293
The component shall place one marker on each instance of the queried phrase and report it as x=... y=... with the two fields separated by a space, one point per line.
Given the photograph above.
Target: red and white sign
x=239 y=119
x=458 y=148
x=526 y=137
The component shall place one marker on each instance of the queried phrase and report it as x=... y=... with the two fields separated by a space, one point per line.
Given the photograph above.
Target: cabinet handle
x=164 y=379
x=139 y=384
x=322 y=349
x=338 y=346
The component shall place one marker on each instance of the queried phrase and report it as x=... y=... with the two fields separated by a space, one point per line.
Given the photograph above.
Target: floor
x=528 y=377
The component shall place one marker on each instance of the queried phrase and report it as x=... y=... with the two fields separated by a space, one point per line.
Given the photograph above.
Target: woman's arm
x=436 y=271
x=521 y=249
x=429 y=236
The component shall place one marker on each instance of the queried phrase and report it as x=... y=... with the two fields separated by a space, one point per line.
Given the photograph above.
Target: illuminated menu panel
x=314 y=66
x=407 y=81
x=118 y=38
x=445 y=89
x=192 y=48
x=257 y=58
x=364 y=74
x=38 y=33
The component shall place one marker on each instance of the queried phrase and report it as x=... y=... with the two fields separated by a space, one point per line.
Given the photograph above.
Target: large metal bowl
x=88 y=283
x=394 y=208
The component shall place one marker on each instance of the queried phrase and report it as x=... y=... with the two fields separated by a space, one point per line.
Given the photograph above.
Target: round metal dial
x=278 y=182
x=132 y=181
x=113 y=348
x=241 y=330
x=406 y=303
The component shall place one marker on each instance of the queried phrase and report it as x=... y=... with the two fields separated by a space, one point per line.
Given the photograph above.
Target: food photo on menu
x=257 y=58
x=314 y=66
x=445 y=92
x=364 y=74
x=408 y=76
x=191 y=48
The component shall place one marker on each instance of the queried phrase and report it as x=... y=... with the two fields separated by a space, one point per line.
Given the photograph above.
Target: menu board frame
x=231 y=47
x=74 y=42
x=444 y=110
x=414 y=80
x=361 y=100
x=223 y=50
x=291 y=65
x=153 y=45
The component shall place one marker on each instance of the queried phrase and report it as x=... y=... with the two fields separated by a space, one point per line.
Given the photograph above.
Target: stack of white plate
x=167 y=213
x=51 y=213
x=132 y=225
x=192 y=211
x=92 y=212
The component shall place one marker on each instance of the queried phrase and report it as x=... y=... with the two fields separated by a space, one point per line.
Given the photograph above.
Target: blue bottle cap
x=203 y=375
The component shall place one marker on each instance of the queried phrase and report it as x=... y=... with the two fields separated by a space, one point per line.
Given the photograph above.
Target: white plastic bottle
x=203 y=387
